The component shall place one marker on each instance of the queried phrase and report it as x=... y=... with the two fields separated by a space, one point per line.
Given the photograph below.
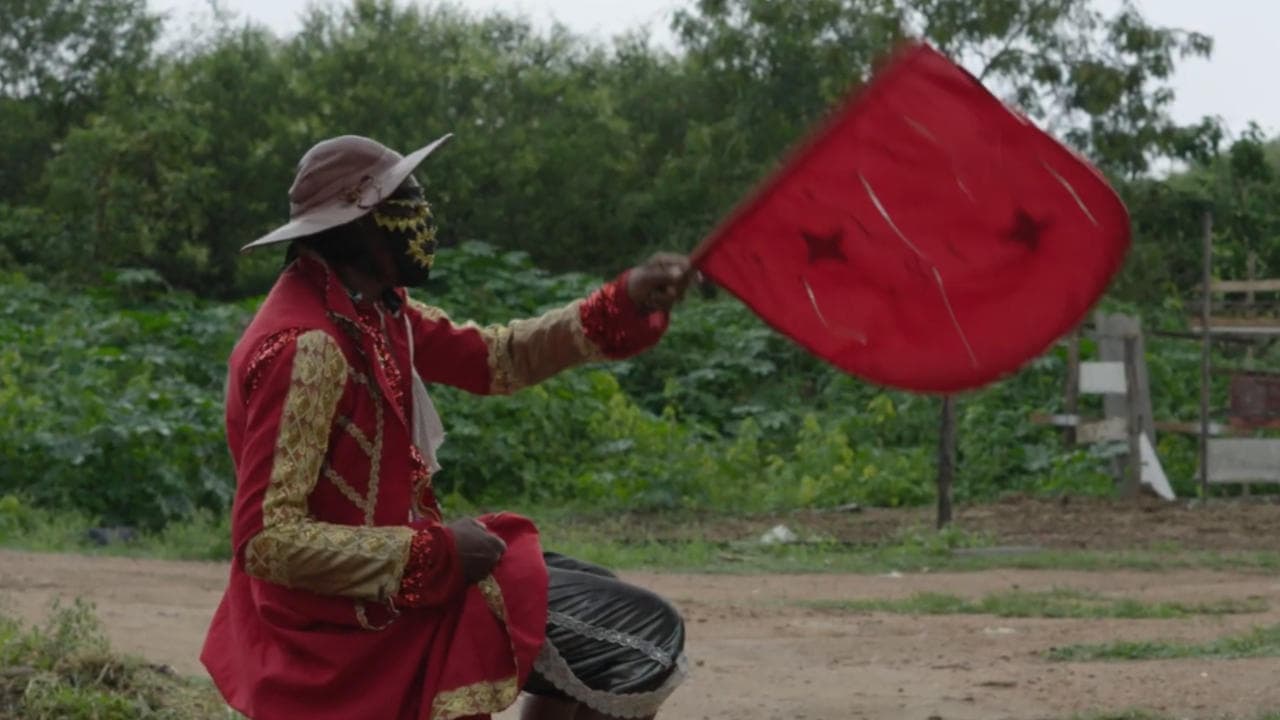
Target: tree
x=58 y=61
x=179 y=174
x=539 y=157
x=750 y=77
x=584 y=155
x=1103 y=83
x=1240 y=185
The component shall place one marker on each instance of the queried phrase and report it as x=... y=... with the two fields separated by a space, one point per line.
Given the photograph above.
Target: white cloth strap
x=428 y=430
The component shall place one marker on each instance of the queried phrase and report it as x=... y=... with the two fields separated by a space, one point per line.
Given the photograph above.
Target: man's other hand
x=478 y=549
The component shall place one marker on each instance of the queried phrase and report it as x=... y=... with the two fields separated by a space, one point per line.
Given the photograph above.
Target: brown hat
x=339 y=180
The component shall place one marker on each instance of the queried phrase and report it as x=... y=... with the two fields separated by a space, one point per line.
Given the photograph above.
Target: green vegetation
x=117 y=395
x=204 y=536
x=627 y=546
x=892 y=556
x=123 y=151
x=117 y=398
x=64 y=670
x=132 y=176
x=113 y=400
x=1058 y=603
x=1258 y=642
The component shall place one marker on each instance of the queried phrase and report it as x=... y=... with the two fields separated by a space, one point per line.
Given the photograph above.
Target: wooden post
x=1206 y=308
x=1112 y=330
x=946 y=459
x=1071 y=405
x=1133 y=475
x=1250 y=274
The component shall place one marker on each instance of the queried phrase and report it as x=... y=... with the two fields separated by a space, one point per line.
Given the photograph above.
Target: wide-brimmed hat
x=340 y=180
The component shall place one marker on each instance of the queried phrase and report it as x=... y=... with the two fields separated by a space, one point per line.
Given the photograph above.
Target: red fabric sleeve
x=504 y=358
x=619 y=327
x=433 y=573
x=459 y=354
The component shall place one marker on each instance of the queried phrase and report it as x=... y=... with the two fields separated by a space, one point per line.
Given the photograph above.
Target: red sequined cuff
x=264 y=356
x=616 y=325
x=432 y=575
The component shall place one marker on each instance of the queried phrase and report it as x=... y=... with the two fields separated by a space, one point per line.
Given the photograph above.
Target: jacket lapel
x=342 y=311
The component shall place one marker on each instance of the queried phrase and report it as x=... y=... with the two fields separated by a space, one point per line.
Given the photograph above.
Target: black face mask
x=406 y=222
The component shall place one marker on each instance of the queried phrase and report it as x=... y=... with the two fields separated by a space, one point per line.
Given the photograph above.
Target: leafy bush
x=116 y=398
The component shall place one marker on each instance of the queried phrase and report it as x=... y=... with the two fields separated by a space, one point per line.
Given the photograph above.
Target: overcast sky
x=1238 y=84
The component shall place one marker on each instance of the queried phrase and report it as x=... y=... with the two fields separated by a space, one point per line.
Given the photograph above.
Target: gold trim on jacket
x=293 y=549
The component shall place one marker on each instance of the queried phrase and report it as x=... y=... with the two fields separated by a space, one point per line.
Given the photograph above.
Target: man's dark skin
x=657 y=284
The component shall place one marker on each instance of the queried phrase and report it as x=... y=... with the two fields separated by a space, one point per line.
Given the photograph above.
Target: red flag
x=927 y=238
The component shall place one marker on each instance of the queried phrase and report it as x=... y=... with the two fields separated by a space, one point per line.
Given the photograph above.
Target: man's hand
x=660 y=282
x=478 y=549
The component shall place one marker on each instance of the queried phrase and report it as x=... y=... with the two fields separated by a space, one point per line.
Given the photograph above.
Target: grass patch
x=703 y=556
x=65 y=670
x=1258 y=642
x=912 y=550
x=1134 y=714
x=1138 y=714
x=1122 y=715
x=696 y=544
x=1058 y=603
x=23 y=527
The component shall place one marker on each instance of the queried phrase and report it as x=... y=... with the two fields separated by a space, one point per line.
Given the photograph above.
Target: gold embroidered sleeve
x=526 y=352
x=293 y=549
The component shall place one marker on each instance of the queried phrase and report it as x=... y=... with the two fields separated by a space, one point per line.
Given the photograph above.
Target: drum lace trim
x=648 y=649
x=552 y=666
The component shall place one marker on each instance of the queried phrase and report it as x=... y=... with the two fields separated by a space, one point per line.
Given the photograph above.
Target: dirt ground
x=760 y=653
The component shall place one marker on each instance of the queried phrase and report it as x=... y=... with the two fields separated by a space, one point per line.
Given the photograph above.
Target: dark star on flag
x=1026 y=229
x=825 y=247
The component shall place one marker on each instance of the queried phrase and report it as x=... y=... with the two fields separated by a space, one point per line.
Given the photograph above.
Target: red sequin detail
x=613 y=322
x=266 y=353
x=414 y=584
x=424 y=493
x=371 y=324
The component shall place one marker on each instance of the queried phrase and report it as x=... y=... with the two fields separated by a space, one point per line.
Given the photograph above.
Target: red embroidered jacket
x=346 y=599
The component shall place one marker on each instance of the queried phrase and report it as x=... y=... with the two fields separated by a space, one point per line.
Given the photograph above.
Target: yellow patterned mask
x=407 y=221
